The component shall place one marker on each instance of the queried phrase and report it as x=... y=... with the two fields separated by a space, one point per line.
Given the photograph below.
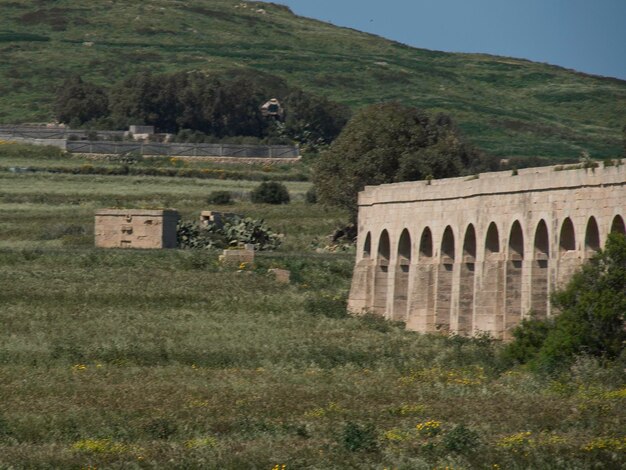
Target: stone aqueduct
x=477 y=254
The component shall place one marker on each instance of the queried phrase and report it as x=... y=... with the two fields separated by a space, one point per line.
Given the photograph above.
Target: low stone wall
x=60 y=143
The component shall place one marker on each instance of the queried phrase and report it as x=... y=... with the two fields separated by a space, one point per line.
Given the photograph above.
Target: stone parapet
x=501 y=182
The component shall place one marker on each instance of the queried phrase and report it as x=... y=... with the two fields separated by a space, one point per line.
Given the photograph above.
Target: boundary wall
x=478 y=254
x=62 y=137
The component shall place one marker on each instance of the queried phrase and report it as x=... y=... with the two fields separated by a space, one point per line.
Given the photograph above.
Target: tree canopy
x=389 y=142
x=79 y=102
x=217 y=105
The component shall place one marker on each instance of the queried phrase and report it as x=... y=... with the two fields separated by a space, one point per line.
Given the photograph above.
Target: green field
x=163 y=359
x=507 y=106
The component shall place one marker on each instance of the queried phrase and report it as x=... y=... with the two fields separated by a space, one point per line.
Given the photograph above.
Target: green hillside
x=506 y=106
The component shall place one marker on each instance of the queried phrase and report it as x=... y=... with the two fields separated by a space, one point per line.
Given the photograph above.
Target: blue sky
x=585 y=35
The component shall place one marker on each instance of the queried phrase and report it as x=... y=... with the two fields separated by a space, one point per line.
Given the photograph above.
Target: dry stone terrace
x=478 y=254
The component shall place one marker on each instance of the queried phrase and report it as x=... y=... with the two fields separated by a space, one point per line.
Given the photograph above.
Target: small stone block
x=135 y=228
x=214 y=217
x=282 y=276
x=235 y=258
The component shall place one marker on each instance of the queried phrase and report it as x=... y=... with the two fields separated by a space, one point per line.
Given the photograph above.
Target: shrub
x=160 y=428
x=461 y=439
x=592 y=310
x=270 y=192
x=5 y=429
x=356 y=437
x=591 y=321
x=528 y=336
x=327 y=305
x=220 y=198
x=311 y=196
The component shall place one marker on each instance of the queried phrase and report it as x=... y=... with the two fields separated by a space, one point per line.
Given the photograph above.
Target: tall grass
x=164 y=359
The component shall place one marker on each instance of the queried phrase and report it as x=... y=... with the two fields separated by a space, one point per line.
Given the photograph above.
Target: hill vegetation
x=509 y=107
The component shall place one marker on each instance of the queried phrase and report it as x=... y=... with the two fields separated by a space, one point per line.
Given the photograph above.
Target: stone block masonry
x=136 y=228
x=478 y=254
x=238 y=258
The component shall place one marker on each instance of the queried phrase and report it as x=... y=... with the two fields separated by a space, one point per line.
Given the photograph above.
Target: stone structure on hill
x=477 y=254
x=136 y=228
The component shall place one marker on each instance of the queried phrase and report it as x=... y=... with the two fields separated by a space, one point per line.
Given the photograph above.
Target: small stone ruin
x=238 y=257
x=282 y=276
x=215 y=218
x=136 y=228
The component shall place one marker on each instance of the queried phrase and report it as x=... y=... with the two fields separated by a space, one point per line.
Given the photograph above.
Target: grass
x=561 y=112
x=163 y=359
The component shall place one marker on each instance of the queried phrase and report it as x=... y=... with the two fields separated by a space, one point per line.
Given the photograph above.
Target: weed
x=160 y=428
x=461 y=439
x=359 y=437
x=332 y=306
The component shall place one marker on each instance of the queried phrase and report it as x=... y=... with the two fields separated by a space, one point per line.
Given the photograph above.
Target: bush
x=220 y=198
x=270 y=192
x=311 y=196
x=327 y=305
x=160 y=428
x=591 y=321
x=357 y=437
x=528 y=336
x=461 y=439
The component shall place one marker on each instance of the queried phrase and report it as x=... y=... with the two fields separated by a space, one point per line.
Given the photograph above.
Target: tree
x=591 y=321
x=217 y=105
x=146 y=99
x=237 y=109
x=313 y=120
x=79 y=102
x=387 y=143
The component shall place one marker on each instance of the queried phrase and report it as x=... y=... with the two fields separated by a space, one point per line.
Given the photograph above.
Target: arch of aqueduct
x=478 y=254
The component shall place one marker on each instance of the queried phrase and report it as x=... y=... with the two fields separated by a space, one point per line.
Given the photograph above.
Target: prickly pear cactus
x=235 y=231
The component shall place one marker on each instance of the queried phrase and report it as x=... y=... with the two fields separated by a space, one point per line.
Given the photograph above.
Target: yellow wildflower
x=429 y=428
x=606 y=443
